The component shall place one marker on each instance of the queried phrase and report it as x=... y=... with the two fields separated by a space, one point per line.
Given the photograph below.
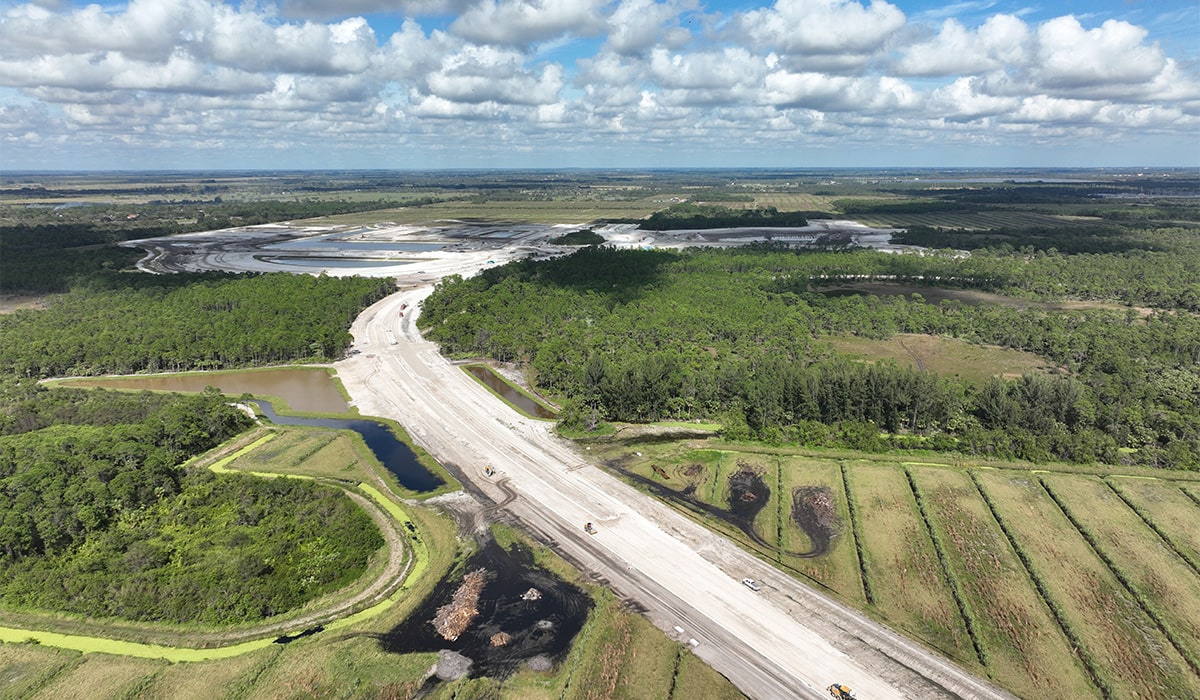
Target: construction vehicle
x=489 y=470
x=589 y=528
x=840 y=692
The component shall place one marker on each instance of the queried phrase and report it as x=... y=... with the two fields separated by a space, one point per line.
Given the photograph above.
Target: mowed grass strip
x=1164 y=584
x=695 y=680
x=837 y=569
x=1127 y=651
x=185 y=681
x=24 y=668
x=1026 y=649
x=905 y=577
x=1168 y=510
x=792 y=201
x=101 y=676
x=315 y=452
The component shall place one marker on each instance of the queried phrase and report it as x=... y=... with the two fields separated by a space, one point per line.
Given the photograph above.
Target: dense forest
x=97 y=518
x=736 y=334
x=688 y=215
x=123 y=323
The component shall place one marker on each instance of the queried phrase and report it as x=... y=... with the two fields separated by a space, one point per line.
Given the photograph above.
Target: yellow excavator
x=840 y=692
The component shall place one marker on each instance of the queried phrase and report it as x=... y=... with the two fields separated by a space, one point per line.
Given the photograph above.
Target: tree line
x=738 y=334
x=124 y=323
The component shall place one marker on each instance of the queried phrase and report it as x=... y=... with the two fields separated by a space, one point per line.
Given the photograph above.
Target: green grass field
x=1022 y=598
x=618 y=650
x=1164 y=584
x=945 y=356
x=1119 y=643
x=1023 y=646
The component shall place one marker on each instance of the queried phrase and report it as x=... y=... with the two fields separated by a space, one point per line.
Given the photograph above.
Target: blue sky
x=424 y=84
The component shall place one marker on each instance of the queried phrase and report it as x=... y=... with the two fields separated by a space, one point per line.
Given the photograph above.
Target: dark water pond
x=397 y=457
x=304 y=389
x=523 y=403
x=532 y=628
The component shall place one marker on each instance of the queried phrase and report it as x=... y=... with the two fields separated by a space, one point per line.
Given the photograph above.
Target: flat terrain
x=784 y=641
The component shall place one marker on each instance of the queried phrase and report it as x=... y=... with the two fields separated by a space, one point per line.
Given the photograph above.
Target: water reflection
x=522 y=402
x=393 y=454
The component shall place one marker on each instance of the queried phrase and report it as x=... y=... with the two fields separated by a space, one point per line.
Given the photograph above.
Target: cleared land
x=980 y=563
x=947 y=356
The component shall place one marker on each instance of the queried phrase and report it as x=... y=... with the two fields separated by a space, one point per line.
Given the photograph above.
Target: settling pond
x=304 y=389
x=520 y=401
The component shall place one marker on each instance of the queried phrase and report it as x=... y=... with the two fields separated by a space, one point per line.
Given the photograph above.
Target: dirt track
x=783 y=642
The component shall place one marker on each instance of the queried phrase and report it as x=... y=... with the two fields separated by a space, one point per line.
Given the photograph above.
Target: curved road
x=786 y=641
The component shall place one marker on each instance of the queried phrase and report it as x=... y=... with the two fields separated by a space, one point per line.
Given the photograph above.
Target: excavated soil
x=510 y=626
x=748 y=494
x=814 y=511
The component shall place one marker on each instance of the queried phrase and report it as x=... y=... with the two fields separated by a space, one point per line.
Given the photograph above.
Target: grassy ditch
x=975 y=560
x=1162 y=583
x=995 y=586
x=1117 y=641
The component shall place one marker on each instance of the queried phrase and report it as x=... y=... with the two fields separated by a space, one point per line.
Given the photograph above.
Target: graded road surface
x=785 y=641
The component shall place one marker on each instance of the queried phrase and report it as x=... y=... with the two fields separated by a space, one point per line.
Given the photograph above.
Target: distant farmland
x=1051 y=584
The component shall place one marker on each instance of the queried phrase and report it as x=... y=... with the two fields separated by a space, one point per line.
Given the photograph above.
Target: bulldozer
x=840 y=692
x=589 y=528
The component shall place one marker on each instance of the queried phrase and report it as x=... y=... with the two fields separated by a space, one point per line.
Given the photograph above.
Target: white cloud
x=478 y=74
x=829 y=93
x=713 y=69
x=574 y=74
x=522 y=22
x=822 y=27
x=1001 y=40
x=638 y=25
x=1070 y=56
x=961 y=100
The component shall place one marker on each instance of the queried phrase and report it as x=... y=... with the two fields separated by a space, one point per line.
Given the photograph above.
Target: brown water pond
x=305 y=389
x=520 y=401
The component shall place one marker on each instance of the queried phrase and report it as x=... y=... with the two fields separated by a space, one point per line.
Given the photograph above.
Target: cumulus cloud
x=1070 y=56
x=962 y=100
x=522 y=22
x=1002 y=40
x=822 y=27
x=206 y=74
x=832 y=93
x=638 y=25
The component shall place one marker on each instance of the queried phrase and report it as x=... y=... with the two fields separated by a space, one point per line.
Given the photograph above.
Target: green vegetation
x=580 y=237
x=703 y=216
x=1045 y=581
x=121 y=323
x=100 y=521
x=739 y=336
x=618 y=655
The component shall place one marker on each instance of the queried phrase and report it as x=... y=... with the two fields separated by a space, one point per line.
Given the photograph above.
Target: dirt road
x=785 y=641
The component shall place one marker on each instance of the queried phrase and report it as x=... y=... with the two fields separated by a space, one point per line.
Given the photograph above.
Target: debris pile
x=499 y=639
x=454 y=617
x=532 y=594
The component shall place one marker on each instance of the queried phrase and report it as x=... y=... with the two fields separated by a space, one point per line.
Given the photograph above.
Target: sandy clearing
x=785 y=641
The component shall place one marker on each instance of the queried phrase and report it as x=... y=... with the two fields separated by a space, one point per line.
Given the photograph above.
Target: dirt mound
x=456 y=616
x=748 y=493
x=814 y=511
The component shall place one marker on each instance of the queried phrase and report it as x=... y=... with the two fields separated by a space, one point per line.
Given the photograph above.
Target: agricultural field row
x=971 y=220
x=793 y=201
x=1050 y=584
